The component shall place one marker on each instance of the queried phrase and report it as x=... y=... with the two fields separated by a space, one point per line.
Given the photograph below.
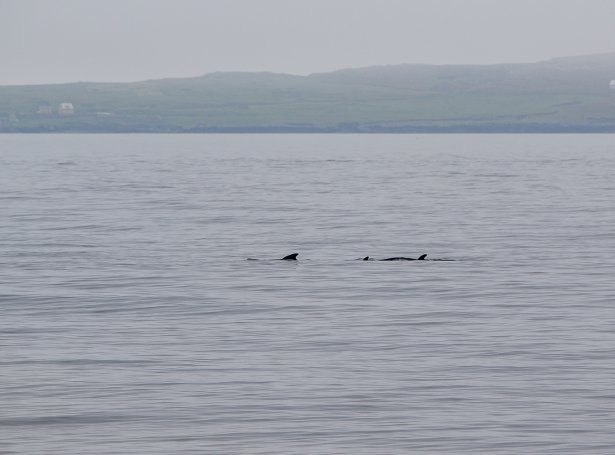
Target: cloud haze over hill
x=44 y=41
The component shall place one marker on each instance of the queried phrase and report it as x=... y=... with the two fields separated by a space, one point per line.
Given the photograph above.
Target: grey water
x=132 y=323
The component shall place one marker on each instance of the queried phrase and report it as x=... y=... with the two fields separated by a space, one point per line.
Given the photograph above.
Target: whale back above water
x=402 y=258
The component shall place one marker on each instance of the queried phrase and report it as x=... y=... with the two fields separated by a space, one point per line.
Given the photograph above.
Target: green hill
x=564 y=94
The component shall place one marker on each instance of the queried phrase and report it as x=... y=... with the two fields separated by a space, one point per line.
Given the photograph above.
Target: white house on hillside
x=66 y=109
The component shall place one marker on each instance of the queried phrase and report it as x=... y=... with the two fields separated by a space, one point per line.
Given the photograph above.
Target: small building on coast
x=66 y=109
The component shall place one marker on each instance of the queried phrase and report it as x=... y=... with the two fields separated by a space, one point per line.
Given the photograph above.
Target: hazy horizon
x=307 y=74
x=45 y=42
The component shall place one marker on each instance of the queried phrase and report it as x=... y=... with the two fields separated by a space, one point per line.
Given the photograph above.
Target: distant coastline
x=486 y=129
x=563 y=95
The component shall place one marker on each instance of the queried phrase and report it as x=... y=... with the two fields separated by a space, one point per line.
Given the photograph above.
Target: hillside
x=564 y=94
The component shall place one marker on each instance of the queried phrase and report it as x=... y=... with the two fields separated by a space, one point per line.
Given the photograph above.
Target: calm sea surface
x=132 y=323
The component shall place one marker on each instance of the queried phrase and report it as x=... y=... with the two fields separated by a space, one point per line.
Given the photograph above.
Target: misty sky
x=124 y=40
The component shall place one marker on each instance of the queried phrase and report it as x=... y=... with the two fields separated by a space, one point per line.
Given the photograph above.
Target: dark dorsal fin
x=366 y=258
x=290 y=257
x=422 y=257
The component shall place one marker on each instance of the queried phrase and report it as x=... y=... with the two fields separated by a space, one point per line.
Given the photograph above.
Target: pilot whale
x=290 y=257
x=422 y=257
x=399 y=258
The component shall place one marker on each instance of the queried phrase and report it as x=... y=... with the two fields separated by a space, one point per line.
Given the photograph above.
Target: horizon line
x=305 y=75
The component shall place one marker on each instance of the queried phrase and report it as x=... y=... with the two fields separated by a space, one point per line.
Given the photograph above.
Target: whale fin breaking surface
x=290 y=257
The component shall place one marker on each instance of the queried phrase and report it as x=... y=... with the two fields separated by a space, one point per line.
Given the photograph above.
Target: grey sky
x=121 y=40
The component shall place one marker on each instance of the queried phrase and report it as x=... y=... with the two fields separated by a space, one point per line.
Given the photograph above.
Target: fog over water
x=132 y=322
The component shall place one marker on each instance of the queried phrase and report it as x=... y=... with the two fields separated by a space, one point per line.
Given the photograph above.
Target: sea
x=132 y=321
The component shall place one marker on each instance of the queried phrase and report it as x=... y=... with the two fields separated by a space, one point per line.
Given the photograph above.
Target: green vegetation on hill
x=566 y=94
